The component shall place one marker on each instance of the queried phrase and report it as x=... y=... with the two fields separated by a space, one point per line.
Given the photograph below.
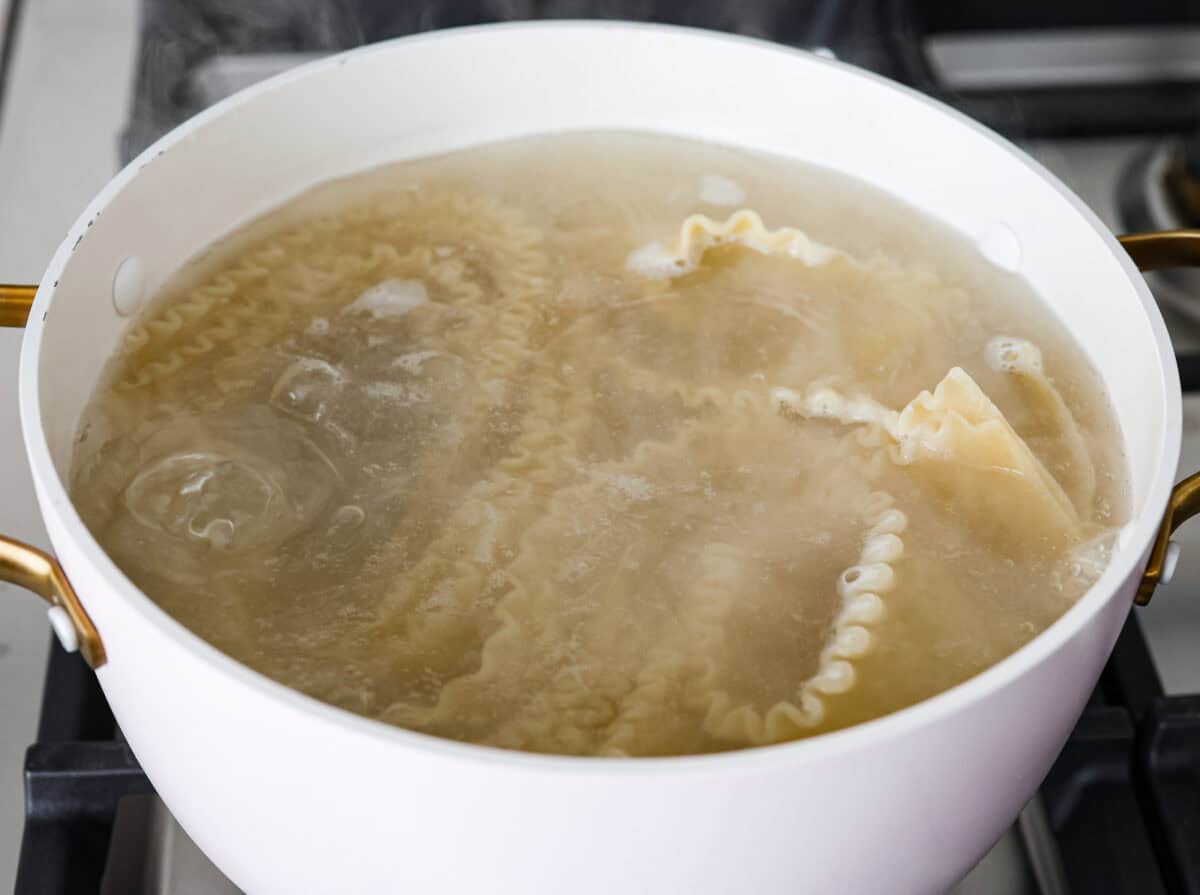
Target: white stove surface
x=58 y=138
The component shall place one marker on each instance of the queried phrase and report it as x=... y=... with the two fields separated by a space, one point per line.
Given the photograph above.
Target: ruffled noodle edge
x=700 y=233
x=862 y=588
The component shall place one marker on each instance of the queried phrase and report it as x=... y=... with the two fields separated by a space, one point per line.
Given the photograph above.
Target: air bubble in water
x=200 y=496
x=218 y=532
x=307 y=389
x=346 y=519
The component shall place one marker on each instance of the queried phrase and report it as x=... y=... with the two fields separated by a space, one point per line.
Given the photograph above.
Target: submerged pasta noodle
x=567 y=668
x=475 y=457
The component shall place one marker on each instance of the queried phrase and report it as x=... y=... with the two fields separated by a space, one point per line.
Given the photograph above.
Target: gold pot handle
x=39 y=572
x=1154 y=251
x=15 y=302
x=29 y=567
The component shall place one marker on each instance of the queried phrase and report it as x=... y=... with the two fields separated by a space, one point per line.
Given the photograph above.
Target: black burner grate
x=75 y=776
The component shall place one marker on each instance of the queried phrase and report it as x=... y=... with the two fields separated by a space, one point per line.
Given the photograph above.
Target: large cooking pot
x=289 y=795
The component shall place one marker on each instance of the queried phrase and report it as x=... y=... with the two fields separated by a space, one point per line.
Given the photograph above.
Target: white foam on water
x=1008 y=354
x=411 y=362
x=390 y=298
x=655 y=262
x=718 y=190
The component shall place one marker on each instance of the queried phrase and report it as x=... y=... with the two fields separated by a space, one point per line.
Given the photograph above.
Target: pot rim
x=1133 y=541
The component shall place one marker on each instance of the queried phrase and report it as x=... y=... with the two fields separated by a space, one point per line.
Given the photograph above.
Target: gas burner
x=1181 y=182
x=1159 y=189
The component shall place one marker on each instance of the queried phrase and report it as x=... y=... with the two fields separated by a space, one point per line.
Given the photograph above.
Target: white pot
x=289 y=795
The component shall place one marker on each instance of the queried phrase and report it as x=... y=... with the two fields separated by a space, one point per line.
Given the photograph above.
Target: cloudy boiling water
x=423 y=445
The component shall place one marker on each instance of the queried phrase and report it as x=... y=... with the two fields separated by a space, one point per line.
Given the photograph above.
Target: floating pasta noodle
x=642 y=594
x=952 y=453
x=863 y=589
x=861 y=317
x=961 y=444
x=1047 y=420
x=700 y=233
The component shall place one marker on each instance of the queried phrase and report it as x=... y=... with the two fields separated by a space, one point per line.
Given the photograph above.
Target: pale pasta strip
x=1022 y=360
x=963 y=443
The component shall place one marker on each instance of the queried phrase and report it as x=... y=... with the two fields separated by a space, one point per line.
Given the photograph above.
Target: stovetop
x=1119 y=811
